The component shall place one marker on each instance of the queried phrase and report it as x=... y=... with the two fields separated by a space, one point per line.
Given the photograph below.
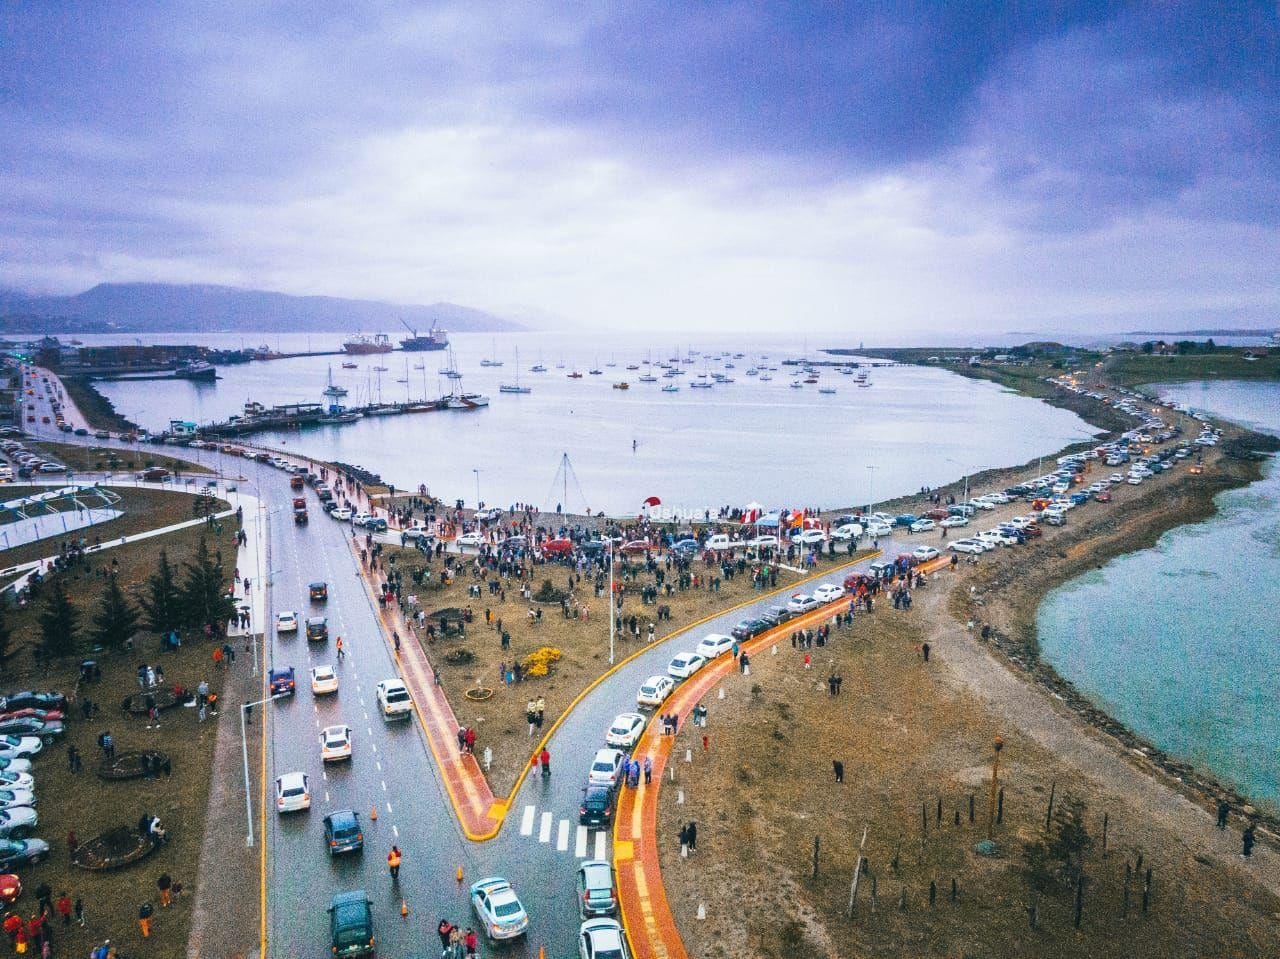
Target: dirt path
x=1133 y=781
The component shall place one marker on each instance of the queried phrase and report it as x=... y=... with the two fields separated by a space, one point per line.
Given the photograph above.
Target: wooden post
x=1146 y=893
x=1079 y=899
x=933 y=893
x=995 y=784
x=1000 y=807
x=939 y=813
x=816 y=843
x=955 y=890
x=1106 y=821
x=957 y=816
x=902 y=900
x=1048 y=816
x=970 y=809
x=893 y=863
x=924 y=820
x=853 y=890
x=1138 y=866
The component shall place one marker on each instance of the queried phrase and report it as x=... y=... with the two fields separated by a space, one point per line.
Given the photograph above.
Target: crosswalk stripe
x=526 y=821
x=544 y=829
x=601 y=836
x=562 y=836
x=580 y=844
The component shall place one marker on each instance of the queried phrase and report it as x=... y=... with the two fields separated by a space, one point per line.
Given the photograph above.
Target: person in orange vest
x=144 y=919
x=341 y=653
x=393 y=862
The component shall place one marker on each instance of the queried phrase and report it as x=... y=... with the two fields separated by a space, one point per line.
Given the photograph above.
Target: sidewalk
x=229 y=882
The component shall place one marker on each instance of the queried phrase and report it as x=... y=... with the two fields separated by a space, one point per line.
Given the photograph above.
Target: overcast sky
x=707 y=165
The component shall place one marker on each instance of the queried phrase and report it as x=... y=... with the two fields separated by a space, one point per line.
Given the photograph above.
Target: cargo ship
x=436 y=339
x=362 y=345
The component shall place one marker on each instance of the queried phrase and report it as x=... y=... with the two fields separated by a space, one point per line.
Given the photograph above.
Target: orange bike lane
x=642 y=898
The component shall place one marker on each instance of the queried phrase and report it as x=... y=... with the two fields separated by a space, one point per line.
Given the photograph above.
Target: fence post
x=816 y=843
x=970 y=809
x=1048 y=816
x=1106 y=821
x=1146 y=892
x=1000 y=808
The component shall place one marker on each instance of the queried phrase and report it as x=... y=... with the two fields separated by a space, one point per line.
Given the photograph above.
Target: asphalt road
x=391 y=770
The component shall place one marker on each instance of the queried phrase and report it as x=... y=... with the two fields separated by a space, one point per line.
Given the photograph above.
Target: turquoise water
x=1180 y=641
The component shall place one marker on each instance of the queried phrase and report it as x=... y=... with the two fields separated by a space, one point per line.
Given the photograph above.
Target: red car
x=10 y=888
x=41 y=714
x=1033 y=530
x=557 y=547
x=636 y=546
x=855 y=580
x=1102 y=496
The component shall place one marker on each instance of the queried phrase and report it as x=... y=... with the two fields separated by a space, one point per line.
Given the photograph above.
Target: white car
x=998 y=537
x=809 y=537
x=924 y=553
x=1116 y=477
x=17 y=822
x=1022 y=522
x=470 y=539
x=967 y=546
x=655 y=690
x=342 y=513
x=489 y=514
x=335 y=743
x=760 y=542
x=802 y=603
x=923 y=526
x=954 y=522
x=879 y=529
x=499 y=909
x=602 y=939
x=293 y=792
x=625 y=730
x=323 y=680
x=982 y=503
x=12 y=779
x=15 y=747
x=606 y=767
x=394 y=699
x=11 y=797
x=846 y=532
x=1134 y=480
x=713 y=644
x=828 y=592
x=361 y=518
x=287 y=621
x=684 y=665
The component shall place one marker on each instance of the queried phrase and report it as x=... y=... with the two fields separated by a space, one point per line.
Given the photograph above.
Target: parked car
x=30 y=699
x=954 y=522
x=286 y=621
x=606 y=765
x=47 y=730
x=966 y=546
x=924 y=553
x=597 y=806
x=11 y=779
x=923 y=526
x=713 y=644
x=802 y=603
x=684 y=665
x=602 y=939
x=293 y=792
x=20 y=746
x=22 y=852
x=764 y=541
x=342 y=832
x=809 y=537
x=470 y=539
x=625 y=730
x=828 y=592
x=597 y=890
x=351 y=924
x=283 y=681
x=488 y=514
x=654 y=690
x=394 y=699
x=17 y=822
x=846 y=532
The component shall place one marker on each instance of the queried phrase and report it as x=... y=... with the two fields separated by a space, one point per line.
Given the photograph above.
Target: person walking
x=472 y=943
x=393 y=863
x=144 y=919
x=545 y=758
x=1247 y=841
x=1224 y=812
x=64 y=908
x=341 y=651
x=838 y=767
x=648 y=770
x=165 y=884
x=444 y=930
x=691 y=833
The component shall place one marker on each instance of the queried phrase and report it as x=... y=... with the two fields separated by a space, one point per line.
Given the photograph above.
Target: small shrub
x=459 y=657
x=538 y=662
x=549 y=593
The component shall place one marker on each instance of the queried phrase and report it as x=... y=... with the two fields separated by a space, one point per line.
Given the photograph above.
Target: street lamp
x=995 y=780
x=966 y=479
x=612 y=613
x=477 y=472
x=244 y=748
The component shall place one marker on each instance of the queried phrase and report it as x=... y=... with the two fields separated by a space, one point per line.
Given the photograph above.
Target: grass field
x=1132 y=369
x=583 y=643
x=98 y=459
x=88 y=804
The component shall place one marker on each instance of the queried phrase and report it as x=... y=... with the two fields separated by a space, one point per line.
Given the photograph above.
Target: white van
x=721 y=541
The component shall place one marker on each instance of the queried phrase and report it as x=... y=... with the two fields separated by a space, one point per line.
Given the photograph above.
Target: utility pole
x=244 y=748
x=995 y=779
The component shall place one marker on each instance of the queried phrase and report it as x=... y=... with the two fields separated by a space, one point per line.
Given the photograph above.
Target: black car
x=30 y=699
x=750 y=627
x=597 y=806
x=342 y=832
x=317 y=629
x=776 y=615
x=282 y=681
x=46 y=729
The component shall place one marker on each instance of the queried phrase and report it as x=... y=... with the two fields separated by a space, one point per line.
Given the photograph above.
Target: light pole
x=966 y=479
x=244 y=749
x=477 y=472
x=995 y=780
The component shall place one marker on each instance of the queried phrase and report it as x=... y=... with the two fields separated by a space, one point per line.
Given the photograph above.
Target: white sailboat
x=515 y=387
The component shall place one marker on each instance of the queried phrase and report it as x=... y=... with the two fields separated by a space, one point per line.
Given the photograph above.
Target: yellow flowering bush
x=538 y=662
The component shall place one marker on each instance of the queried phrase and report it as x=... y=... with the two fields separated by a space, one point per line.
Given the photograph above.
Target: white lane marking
x=389 y=809
x=374 y=748
x=379 y=765
x=580 y=843
x=526 y=821
x=544 y=828
x=370 y=728
x=384 y=785
x=600 y=844
x=562 y=836
x=325 y=774
x=396 y=831
x=326 y=795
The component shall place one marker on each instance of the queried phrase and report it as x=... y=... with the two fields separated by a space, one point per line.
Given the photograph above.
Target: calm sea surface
x=749 y=440
x=1179 y=641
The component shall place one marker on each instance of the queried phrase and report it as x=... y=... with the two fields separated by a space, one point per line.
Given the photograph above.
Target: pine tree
x=162 y=601
x=59 y=622
x=204 y=591
x=116 y=620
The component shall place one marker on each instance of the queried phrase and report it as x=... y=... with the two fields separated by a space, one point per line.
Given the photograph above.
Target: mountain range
x=171 y=308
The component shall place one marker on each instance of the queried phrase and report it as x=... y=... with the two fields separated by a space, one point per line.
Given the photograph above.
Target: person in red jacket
x=473 y=943
x=545 y=758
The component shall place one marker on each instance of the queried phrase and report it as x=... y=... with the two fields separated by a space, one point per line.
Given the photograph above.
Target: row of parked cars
x=29 y=721
x=25 y=462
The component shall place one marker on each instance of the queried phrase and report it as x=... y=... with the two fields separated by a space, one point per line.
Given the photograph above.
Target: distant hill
x=167 y=308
